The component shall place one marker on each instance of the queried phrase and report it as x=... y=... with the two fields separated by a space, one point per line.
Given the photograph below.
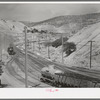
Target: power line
x=1 y=46
x=26 y=67
x=48 y=46
x=91 y=52
x=39 y=42
x=62 y=48
x=91 y=45
x=87 y=42
x=33 y=43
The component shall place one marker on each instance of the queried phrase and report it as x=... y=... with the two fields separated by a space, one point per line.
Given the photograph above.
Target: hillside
x=87 y=28
x=77 y=29
x=82 y=28
x=28 y=23
x=81 y=57
x=9 y=33
x=69 y=24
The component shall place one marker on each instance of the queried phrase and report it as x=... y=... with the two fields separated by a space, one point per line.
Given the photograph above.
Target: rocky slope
x=81 y=57
x=79 y=29
x=85 y=28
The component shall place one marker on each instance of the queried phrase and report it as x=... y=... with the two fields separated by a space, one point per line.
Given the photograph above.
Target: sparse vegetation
x=70 y=24
x=69 y=47
x=58 y=42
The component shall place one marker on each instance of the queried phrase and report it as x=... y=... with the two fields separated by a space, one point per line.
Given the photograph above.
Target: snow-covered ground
x=12 y=32
x=81 y=57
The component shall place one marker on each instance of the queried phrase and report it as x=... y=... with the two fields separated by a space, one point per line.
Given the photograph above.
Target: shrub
x=48 y=44
x=58 y=42
x=69 y=47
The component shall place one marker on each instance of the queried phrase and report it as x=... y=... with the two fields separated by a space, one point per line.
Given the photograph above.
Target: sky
x=39 y=12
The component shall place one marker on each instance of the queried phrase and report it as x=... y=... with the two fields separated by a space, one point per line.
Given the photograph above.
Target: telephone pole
x=48 y=46
x=62 y=47
x=48 y=52
x=32 y=43
x=26 y=66
x=1 y=47
x=39 y=42
x=91 y=52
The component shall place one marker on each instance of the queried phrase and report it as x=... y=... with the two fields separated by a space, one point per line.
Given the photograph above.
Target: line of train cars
x=68 y=78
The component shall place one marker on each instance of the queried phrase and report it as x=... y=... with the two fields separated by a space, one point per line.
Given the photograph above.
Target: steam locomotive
x=10 y=50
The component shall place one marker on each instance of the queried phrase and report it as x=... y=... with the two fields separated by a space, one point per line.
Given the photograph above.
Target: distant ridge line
x=31 y=24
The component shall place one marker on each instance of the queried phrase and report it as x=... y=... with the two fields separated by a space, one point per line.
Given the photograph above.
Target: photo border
x=8 y=94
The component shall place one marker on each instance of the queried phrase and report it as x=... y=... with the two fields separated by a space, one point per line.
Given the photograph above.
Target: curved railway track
x=36 y=62
x=18 y=78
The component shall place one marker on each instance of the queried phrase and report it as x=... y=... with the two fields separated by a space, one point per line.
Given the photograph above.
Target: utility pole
x=91 y=52
x=26 y=67
x=39 y=42
x=33 y=46
x=48 y=52
x=32 y=43
x=48 y=46
x=1 y=47
x=62 y=48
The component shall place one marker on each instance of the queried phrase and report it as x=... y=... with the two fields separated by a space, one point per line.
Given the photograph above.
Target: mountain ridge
x=64 y=17
x=69 y=24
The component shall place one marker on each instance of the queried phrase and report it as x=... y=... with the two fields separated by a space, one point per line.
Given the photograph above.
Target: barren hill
x=79 y=29
x=69 y=24
x=9 y=32
x=81 y=57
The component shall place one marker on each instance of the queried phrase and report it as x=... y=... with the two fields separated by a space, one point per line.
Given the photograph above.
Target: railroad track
x=16 y=78
x=74 y=72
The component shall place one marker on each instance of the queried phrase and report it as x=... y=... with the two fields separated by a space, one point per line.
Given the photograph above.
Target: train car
x=48 y=74
x=70 y=77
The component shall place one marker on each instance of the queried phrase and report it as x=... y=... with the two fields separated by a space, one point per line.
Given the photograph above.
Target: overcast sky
x=39 y=12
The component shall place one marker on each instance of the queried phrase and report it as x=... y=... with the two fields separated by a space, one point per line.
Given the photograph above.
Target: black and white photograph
x=49 y=45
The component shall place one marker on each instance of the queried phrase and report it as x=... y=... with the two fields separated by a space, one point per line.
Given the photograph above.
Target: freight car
x=48 y=74
x=69 y=77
